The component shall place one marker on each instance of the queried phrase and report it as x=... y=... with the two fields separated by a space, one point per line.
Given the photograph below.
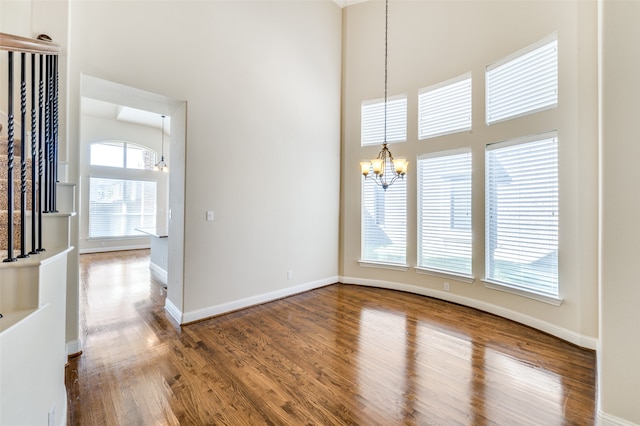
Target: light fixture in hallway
x=385 y=161
x=162 y=165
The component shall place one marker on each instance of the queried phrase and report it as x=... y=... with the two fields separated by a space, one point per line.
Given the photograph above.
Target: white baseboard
x=74 y=347
x=605 y=419
x=161 y=273
x=235 y=305
x=554 y=330
x=114 y=248
x=173 y=311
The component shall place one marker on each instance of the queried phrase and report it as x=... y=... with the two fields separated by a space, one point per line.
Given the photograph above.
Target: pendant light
x=384 y=164
x=162 y=165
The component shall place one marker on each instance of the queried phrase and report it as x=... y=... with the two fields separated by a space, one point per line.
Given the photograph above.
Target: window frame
x=445 y=104
x=514 y=58
x=510 y=287
x=466 y=275
x=376 y=137
x=390 y=224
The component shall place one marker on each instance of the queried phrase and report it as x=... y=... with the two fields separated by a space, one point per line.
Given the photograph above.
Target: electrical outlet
x=446 y=286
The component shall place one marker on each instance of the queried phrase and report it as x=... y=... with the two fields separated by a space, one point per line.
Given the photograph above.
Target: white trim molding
x=173 y=311
x=74 y=347
x=159 y=272
x=605 y=419
x=212 y=311
x=560 y=332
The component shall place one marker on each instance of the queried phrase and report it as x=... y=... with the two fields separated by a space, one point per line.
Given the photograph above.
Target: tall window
x=372 y=120
x=522 y=215
x=445 y=108
x=122 y=189
x=523 y=83
x=444 y=212
x=384 y=222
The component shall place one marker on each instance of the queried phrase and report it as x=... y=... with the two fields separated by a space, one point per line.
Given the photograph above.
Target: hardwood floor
x=339 y=355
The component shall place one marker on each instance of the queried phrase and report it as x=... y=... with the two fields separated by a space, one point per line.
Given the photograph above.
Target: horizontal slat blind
x=522 y=215
x=523 y=85
x=445 y=108
x=118 y=206
x=384 y=222
x=373 y=121
x=444 y=213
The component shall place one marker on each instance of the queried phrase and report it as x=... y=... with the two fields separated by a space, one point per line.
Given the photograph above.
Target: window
x=373 y=120
x=118 y=206
x=522 y=215
x=523 y=83
x=444 y=212
x=122 y=154
x=445 y=108
x=122 y=189
x=384 y=222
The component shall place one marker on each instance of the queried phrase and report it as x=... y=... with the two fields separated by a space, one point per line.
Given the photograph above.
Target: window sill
x=555 y=301
x=382 y=265
x=444 y=274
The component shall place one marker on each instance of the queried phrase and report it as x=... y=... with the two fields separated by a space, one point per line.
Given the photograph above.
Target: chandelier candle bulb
x=365 y=166
x=400 y=164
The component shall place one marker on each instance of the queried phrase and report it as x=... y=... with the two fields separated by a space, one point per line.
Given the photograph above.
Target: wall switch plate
x=209 y=215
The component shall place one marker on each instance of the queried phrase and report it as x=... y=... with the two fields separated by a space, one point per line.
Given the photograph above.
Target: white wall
x=262 y=84
x=433 y=41
x=619 y=372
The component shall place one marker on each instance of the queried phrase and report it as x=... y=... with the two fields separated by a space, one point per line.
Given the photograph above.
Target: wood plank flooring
x=339 y=355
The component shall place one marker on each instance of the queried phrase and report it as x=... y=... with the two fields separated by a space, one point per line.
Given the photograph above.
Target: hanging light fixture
x=384 y=161
x=162 y=165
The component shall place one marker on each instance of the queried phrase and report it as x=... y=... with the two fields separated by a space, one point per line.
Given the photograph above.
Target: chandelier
x=386 y=169
x=162 y=165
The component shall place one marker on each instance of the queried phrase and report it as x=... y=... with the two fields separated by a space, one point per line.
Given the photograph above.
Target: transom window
x=445 y=108
x=523 y=83
x=372 y=116
x=122 y=154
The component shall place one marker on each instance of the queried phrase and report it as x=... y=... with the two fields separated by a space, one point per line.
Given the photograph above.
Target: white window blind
x=118 y=206
x=373 y=120
x=523 y=83
x=522 y=215
x=384 y=222
x=445 y=108
x=444 y=212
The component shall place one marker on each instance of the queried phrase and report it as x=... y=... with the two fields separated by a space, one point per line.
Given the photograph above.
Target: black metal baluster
x=23 y=155
x=47 y=132
x=54 y=168
x=41 y=137
x=10 y=149
x=34 y=155
x=50 y=137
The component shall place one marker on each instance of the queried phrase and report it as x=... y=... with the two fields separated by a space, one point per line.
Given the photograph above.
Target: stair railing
x=43 y=136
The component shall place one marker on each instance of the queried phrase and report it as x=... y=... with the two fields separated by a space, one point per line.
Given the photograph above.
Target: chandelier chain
x=386 y=50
